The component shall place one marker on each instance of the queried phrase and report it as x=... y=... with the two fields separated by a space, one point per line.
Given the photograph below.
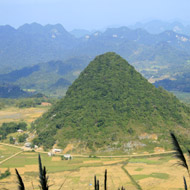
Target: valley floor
x=148 y=172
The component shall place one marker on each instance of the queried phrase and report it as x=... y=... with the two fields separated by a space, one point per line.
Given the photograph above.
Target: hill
x=108 y=107
x=12 y=91
x=49 y=77
x=179 y=83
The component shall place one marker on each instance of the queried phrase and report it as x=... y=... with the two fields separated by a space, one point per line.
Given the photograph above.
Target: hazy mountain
x=157 y=26
x=11 y=91
x=45 y=77
x=110 y=103
x=180 y=83
x=33 y=43
x=78 y=33
x=154 y=55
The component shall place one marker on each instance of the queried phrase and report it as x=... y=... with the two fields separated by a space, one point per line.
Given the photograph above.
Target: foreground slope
x=107 y=106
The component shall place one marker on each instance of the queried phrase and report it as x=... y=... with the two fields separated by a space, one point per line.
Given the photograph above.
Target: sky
x=91 y=14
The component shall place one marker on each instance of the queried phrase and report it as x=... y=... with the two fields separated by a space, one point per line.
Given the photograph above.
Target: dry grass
x=68 y=148
x=55 y=159
x=78 y=175
x=144 y=171
x=16 y=114
x=151 y=173
x=75 y=180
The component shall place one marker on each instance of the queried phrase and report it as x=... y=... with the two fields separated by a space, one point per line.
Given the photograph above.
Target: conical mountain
x=107 y=106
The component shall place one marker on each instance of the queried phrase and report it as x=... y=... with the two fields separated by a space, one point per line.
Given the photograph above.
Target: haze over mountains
x=30 y=48
x=157 y=26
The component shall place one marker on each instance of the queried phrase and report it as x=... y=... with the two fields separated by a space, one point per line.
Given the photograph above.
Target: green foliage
x=153 y=175
x=11 y=91
x=32 y=101
x=12 y=127
x=11 y=140
x=105 y=103
x=5 y=174
x=22 y=138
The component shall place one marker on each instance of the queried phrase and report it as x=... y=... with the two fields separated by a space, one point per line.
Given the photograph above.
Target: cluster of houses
x=59 y=151
x=28 y=146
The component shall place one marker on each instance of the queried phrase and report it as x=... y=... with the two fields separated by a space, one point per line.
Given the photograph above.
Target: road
x=12 y=156
x=86 y=156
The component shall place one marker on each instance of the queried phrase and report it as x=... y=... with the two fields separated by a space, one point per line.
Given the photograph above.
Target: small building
x=56 y=150
x=20 y=130
x=67 y=157
x=28 y=145
x=50 y=154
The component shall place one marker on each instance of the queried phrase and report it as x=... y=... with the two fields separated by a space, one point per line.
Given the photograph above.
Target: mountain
x=158 y=26
x=33 y=43
x=61 y=83
x=108 y=106
x=12 y=91
x=79 y=33
x=156 y=56
x=47 y=77
x=180 y=83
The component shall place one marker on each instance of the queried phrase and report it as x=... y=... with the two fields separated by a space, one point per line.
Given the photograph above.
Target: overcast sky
x=91 y=14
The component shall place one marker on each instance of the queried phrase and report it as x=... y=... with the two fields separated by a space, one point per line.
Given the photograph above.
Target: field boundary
x=12 y=156
x=131 y=178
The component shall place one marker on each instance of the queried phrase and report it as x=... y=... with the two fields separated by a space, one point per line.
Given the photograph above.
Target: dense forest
x=109 y=99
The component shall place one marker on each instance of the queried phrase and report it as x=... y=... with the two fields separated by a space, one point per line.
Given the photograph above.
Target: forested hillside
x=110 y=102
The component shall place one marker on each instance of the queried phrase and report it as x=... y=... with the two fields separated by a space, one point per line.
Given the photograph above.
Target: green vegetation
x=33 y=101
x=47 y=78
x=22 y=138
x=139 y=169
x=7 y=151
x=106 y=104
x=154 y=175
x=12 y=127
x=182 y=96
x=145 y=161
x=5 y=174
x=11 y=91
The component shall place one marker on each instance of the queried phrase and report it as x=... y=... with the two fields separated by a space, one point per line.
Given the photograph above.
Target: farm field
x=7 y=151
x=150 y=173
x=21 y=114
x=157 y=173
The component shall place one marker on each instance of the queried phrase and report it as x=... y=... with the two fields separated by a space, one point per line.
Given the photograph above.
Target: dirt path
x=86 y=156
x=11 y=145
x=10 y=157
x=128 y=156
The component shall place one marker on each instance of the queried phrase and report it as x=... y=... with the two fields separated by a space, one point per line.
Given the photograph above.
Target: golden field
x=158 y=172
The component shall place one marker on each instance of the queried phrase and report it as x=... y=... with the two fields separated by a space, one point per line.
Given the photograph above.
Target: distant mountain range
x=33 y=43
x=157 y=26
x=46 y=77
x=12 y=91
x=26 y=53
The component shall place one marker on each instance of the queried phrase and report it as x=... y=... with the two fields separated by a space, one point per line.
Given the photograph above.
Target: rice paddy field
x=158 y=172
x=15 y=114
